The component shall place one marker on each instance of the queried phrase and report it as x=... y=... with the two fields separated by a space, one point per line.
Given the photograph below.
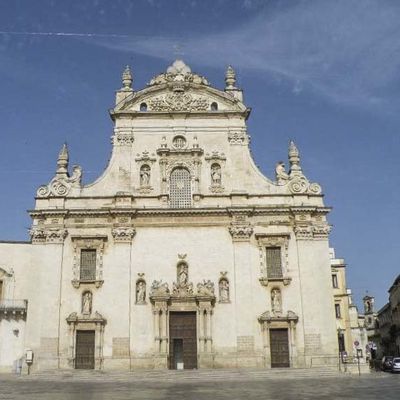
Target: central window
x=88 y=265
x=274 y=262
x=180 y=188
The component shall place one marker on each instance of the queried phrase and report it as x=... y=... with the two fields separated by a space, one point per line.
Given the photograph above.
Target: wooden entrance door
x=84 y=350
x=182 y=340
x=279 y=342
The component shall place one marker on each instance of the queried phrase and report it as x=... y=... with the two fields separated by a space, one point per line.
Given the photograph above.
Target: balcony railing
x=13 y=306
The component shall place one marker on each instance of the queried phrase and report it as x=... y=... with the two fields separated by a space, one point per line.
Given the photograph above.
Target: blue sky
x=325 y=73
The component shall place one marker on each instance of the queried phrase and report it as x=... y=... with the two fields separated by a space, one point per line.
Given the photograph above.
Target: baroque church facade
x=182 y=254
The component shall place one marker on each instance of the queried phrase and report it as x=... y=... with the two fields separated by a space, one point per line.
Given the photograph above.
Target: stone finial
x=294 y=158
x=127 y=79
x=62 y=161
x=230 y=78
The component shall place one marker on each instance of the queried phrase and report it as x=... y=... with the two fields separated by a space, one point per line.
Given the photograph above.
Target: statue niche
x=145 y=175
x=216 y=177
x=182 y=286
x=140 y=291
x=276 y=301
x=87 y=298
x=223 y=290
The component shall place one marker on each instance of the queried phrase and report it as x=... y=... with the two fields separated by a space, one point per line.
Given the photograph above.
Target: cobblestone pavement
x=200 y=385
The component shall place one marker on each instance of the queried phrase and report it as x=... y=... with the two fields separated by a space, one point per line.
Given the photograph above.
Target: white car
x=396 y=364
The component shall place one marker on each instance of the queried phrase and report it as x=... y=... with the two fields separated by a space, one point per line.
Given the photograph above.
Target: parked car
x=396 y=364
x=386 y=364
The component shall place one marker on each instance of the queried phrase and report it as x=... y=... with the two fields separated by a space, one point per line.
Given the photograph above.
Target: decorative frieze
x=309 y=232
x=123 y=234
x=41 y=235
x=122 y=139
x=178 y=101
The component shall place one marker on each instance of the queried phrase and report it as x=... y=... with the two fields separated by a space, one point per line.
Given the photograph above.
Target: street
x=200 y=385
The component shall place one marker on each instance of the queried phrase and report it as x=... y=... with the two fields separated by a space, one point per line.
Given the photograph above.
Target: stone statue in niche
x=87 y=303
x=140 y=292
x=276 y=300
x=224 y=291
x=182 y=275
x=145 y=175
x=280 y=173
x=216 y=174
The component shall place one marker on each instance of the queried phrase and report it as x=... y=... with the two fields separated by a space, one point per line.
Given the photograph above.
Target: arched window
x=143 y=107
x=180 y=188
x=214 y=106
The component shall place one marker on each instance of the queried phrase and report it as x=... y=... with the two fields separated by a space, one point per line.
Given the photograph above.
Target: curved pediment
x=181 y=90
x=188 y=97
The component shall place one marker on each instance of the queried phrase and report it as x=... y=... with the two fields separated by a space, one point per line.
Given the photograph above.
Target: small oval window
x=143 y=107
x=214 y=106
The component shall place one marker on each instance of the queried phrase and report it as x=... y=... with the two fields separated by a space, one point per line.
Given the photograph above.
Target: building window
x=180 y=188
x=143 y=107
x=341 y=342
x=274 y=262
x=214 y=106
x=88 y=265
x=334 y=281
x=179 y=142
x=337 y=311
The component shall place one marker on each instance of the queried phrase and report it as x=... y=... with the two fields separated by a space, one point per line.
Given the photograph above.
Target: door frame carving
x=94 y=323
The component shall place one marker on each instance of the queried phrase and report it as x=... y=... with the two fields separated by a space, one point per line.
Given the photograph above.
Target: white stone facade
x=180 y=221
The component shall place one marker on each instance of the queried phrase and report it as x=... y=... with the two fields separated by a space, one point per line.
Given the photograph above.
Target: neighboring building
x=181 y=255
x=387 y=332
x=394 y=301
x=349 y=324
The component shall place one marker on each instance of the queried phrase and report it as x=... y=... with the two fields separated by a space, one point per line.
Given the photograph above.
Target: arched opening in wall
x=214 y=106
x=140 y=291
x=145 y=175
x=180 y=188
x=143 y=107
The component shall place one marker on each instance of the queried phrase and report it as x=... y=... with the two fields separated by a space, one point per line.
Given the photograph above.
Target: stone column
x=156 y=319
x=241 y=231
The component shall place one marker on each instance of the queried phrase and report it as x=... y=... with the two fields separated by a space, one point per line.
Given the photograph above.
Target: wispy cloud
x=347 y=50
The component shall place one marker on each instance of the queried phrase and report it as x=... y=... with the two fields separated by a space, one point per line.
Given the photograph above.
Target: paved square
x=199 y=385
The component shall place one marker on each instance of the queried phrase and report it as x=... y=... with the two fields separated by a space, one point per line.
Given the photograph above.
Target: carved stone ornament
x=303 y=232
x=123 y=234
x=296 y=182
x=238 y=137
x=241 y=231
x=269 y=317
x=159 y=289
x=178 y=72
x=205 y=288
x=122 y=139
x=308 y=232
x=60 y=186
x=281 y=175
x=223 y=288
x=182 y=287
x=140 y=291
x=179 y=101
x=300 y=184
x=41 y=235
x=93 y=243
